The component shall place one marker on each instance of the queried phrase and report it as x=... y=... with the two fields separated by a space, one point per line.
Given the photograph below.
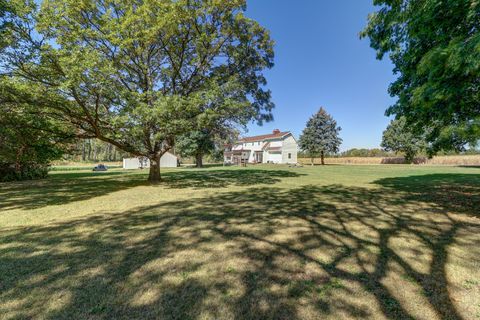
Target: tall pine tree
x=320 y=136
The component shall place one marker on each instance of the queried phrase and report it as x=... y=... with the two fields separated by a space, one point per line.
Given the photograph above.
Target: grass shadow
x=66 y=187
x=454 y=192
x=200 y=179
x=262 y=253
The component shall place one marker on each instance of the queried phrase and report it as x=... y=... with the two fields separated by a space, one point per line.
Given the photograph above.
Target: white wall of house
x=276 y=143
x=289 y=150
x=168 y=160
x=274 y=157
x=287 y=154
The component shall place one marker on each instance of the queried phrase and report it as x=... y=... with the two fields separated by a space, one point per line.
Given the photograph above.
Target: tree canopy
x=29 y=138
x=435 y=48
x=195 y=144
x=400 y=139
x=321 y=135
x=137 y=74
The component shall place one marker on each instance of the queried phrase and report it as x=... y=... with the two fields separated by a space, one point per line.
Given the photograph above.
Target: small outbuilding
x=168 y=160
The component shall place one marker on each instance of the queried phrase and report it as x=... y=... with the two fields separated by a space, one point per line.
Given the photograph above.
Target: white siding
x=275 y=143
x=289 y=147
x=168 y=160
x=131 y=163
x=274 y=157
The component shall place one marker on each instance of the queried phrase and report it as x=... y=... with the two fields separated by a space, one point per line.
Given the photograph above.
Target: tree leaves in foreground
x=137 y=74
x=435 y=47
x=399 y=139
x=29 y=138
x=320 y=136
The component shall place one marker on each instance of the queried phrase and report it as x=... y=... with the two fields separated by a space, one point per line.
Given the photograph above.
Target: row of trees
x=321 y=138
x=137 y=75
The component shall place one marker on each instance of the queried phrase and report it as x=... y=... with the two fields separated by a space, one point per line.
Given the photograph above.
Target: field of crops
x=467 y=160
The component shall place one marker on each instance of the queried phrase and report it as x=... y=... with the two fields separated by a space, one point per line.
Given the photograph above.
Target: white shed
x=168 y=160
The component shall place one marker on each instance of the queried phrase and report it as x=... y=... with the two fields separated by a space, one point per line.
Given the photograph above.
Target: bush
x=8 y=172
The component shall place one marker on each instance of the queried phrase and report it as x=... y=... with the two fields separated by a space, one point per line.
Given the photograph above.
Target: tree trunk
x=199 y=160
x=322 y=156
x=154 y=174
x=312 y=160
x=89 y=150
x=84 y=151
x=94 y=150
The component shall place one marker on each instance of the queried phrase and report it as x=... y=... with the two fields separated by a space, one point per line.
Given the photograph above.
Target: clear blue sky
x=320 y=61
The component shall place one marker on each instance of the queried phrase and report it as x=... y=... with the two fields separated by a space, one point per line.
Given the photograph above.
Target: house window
x=289 y=156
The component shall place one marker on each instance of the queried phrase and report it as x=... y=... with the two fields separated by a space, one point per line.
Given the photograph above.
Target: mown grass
x=263 y=242
x=79 y=168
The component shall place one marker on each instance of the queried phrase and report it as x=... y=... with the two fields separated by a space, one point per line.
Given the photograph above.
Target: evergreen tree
x=320 y=136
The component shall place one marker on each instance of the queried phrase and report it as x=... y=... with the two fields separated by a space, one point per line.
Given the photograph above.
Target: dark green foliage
x=196 y=144
x=3 y=12
x=29 y=140
x=320 y=136
x=375 y=152
x=400 y=139
x=435 y=47
x=28 y=171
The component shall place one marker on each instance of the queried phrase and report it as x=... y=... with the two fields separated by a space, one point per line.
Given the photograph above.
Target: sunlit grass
x=265 y=242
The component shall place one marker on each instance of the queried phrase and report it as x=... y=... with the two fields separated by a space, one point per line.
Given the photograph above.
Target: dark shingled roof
x=264 y=137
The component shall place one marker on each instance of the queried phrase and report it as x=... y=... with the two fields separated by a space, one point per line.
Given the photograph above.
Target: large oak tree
x=435 y=48
x=137 y=74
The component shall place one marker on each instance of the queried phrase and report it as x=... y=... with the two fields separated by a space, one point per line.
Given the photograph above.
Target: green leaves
x=399 y=138
x=435 y=47
x=29 y=137
x=321 y=135
x=137 y=74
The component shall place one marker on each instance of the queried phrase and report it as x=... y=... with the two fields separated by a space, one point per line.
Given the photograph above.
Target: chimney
x=276 y=131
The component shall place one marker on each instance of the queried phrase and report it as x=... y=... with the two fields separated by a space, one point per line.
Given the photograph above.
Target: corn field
x=465 y=160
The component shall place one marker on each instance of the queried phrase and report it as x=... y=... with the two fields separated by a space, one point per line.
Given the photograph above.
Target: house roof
x=274 y=149
x=265 y=137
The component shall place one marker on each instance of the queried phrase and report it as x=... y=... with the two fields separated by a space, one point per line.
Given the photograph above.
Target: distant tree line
x=93 y=150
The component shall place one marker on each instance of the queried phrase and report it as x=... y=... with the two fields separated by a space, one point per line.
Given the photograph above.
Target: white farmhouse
x=277 y=147
x=168 y=160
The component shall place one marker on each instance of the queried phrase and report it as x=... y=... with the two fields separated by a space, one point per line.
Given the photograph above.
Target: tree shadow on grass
x=455 y=192
x=200 y=179
x=61 y=188
x=265 y=253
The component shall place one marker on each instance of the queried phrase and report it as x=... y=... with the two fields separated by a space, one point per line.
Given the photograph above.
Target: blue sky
x=320 y=61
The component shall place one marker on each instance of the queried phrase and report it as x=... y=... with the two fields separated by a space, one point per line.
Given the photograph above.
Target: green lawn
x=263 y=242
